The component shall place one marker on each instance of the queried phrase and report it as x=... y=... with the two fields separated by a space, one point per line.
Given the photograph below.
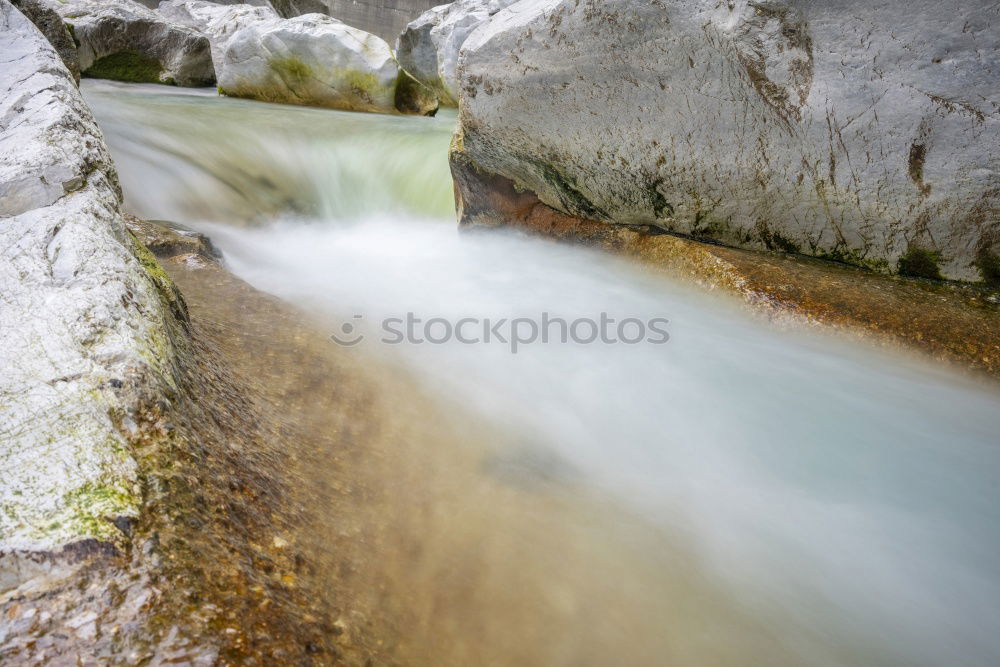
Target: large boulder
x=125 y=41
x=48 y=21
x=84 y=316
x=429 y=47
x=313 y=60
x=216 y=21
x=857 y=131
x=385 y=18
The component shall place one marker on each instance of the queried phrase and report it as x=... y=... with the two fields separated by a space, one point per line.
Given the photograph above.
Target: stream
x=844 y=502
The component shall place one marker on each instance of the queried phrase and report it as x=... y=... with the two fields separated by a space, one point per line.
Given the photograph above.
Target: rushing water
x=847 y=499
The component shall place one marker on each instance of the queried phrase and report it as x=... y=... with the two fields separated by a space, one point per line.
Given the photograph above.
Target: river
x=844 y=500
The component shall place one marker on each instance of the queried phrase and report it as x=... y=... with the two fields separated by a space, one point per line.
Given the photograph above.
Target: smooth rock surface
x=48 y=21
x=863 y=132
x=125 y=41
x=216 y=21
x=83 y=320
x=430 y=45
x=311 y=60
x=385 y=18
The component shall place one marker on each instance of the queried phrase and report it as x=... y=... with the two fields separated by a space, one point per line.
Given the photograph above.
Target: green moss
x=782 y=243
x=363 y=85
x=774 y=240
x=290 y=69
x=149 y=263
x=168 y=291
x=91 y=507
x=72 y=34
x=129 y=66
x=362 y=81
x=988 y=264
x=661 y=207
x=161 y=346
x=920 y=263
x=414 y=97
x=573 y=201
x=845 y=255
x=709 y=227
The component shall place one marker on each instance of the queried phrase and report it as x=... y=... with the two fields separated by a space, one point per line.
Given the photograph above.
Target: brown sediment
x=950 y=322
x=409 y=522
x=418 y=533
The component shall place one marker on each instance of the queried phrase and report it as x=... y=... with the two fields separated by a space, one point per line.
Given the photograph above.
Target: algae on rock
x=87 y=336
x=311 y=60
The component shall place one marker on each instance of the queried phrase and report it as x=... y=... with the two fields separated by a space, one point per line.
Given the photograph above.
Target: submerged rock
x=48 y=21
x=852 y=131
x=85 y=322
x=216 y=21
x=170 y=239
x=313 y=60
x=428 y=48
x=124 y=41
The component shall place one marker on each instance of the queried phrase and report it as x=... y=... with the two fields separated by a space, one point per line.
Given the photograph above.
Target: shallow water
x=845 y=500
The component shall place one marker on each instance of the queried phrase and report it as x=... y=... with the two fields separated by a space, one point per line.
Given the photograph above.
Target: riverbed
x=732 y=494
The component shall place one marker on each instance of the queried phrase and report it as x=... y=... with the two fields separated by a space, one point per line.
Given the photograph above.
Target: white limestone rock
x=48 y=21
x=429 y=47
x=123 y=40
x=216 y=21
x=384 y=18
x=311 y=60
x=858 y=131
x=84 y=327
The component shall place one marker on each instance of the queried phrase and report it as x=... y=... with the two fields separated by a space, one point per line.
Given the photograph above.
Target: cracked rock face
x=125 y=41
x=429 y=46
x=216 y=21
x=84 y=331
x=860 y=132
x=311 y=60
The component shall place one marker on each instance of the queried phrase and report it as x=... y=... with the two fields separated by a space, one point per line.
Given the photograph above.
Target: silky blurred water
x=849 y=498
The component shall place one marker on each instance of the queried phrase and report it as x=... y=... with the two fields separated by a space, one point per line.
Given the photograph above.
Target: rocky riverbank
x=954 y=323
x=713 y=133
x=91 y=327
x=175 y=443
x=838 y=131
x=199 y=573
x=129 y=502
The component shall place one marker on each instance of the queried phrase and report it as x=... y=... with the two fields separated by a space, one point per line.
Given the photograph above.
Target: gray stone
x=216 y=21
x=312 y=60
x=83 y=321
x=385 y=18
x=858 y=131
x=429 y=47
x=123 y=40
x=48 y=21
